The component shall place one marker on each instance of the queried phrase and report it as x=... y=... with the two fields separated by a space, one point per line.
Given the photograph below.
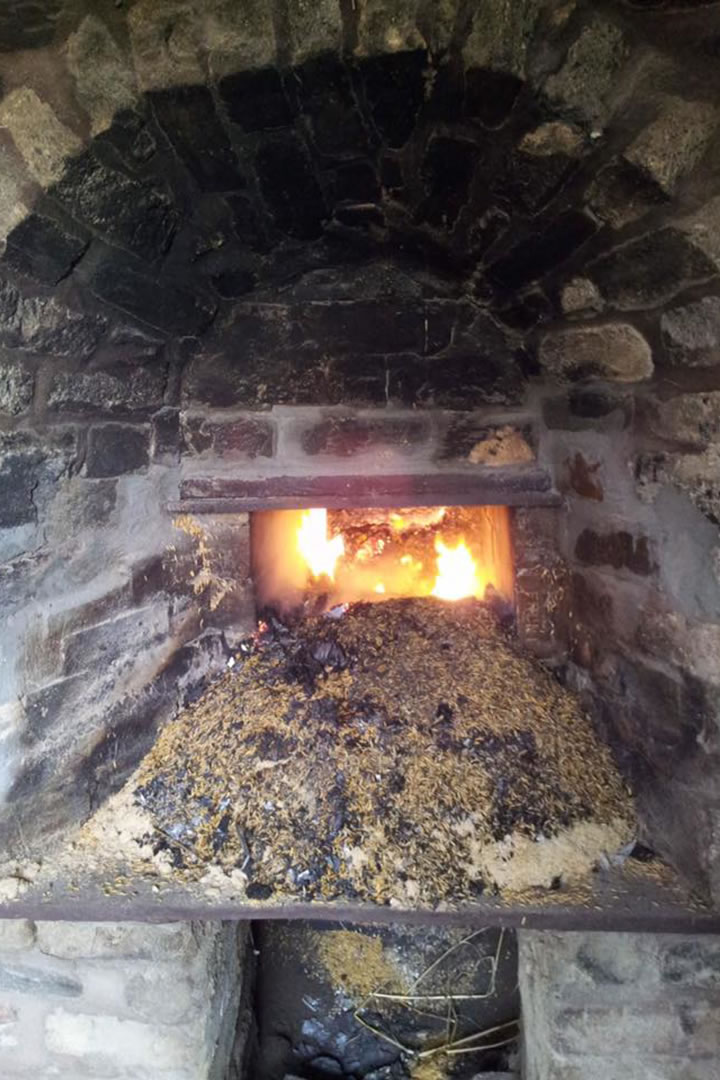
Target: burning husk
x=405 y=752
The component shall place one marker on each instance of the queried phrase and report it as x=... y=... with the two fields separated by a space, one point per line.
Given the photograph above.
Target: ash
x=405 y=753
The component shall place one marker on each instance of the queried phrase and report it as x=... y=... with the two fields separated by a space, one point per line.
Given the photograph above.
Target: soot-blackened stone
x=115 y=449
x=232 y=283
x=360 y=326
x=289 y=187
x=28 y=24
x=356 y=182
x=248 y=437
x=532 y=180
x=188 y=118
x=620 y=550
x=132 y=214
x=329 y=103
x=650 y=270
x=247 y=224
x=18 y=481
x=544 y=251
x=527 y=311
x=395 y=90
x=447 y=171
x=130 y=136
x=346 y=436
x=256 y=100
x=490 y=95
x=43 y=249
x=126 y=285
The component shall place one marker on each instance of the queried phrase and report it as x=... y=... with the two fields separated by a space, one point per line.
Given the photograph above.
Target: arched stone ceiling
x=377 y=202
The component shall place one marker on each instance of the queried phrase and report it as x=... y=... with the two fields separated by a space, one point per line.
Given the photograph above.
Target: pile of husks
x=378 y=756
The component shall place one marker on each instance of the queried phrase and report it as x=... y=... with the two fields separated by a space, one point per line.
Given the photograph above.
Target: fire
x=457 y=574
x=319 y=551
x=427 y=552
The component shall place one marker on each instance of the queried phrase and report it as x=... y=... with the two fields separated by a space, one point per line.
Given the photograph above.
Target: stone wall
x=126 y=1001
x=599 y=1006
x=273 y=239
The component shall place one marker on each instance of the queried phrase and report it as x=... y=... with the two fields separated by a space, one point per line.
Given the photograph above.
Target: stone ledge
x=492 y=486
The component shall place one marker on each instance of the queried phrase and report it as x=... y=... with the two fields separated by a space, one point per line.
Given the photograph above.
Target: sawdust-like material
x=375 y=758
x=434 y=1068
x=355 y=962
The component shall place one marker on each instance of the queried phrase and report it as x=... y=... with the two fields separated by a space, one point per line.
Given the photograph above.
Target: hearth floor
x=403 y=757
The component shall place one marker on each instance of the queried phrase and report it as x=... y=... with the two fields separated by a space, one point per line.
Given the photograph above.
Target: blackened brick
x=166 y=435
x=544 y=251
x=115 y=449
x=187 y=115
x=42 y=249
x=256 y=100
x=18 y=481
x=620 y=550
x=247 y=437
x=347 y=436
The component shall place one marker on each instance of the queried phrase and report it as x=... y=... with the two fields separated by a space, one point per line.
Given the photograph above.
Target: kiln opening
x=308 y=561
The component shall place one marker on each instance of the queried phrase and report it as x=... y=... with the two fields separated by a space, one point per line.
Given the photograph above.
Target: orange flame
x=319 y=551
x=457 y=574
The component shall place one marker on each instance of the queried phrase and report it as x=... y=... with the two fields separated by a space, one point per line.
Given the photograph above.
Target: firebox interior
x=310 y=560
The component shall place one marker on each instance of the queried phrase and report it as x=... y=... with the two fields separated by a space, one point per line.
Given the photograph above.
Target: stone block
x=692 y=964
x=149 y=994
x=581 y=297
x=620 y=194
x=690 y=419
x=44 y=707
x=89 y=503
x=619 y=549
x=38 y=981
x=703 y=229
x=585 y=83
x=18 y=484
x=106 y=1040
x=395 y=91
x=165 y=442
x=130 y=213
x=691 y=334
x=696 y=474
x=17 y=386
x=315 y=26
x=659 y=1029
x=288 y=184
x=125 y=284
x=675 y=141
x=104 y=77
x=330 y=109
x=25 y=24
x=187 y=116
x=16 y=934
x=117 y=641
x=362 y=326
x=115 y=941
x=38 y=324
x=243 y=437
x=650 y=270
x=256 y=100
x=43 y=141
x=108 y=393
x=695 y=646
x=500 y=34
x=43 y=249
x=589 y=408
x=116 y=449
x=613 y=351
x=543 y=251
x=476 y=439
x=381 y=437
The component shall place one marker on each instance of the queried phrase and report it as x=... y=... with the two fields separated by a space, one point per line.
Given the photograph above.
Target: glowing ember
x=380 y=588
x=319 y=551
x=457 y=574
